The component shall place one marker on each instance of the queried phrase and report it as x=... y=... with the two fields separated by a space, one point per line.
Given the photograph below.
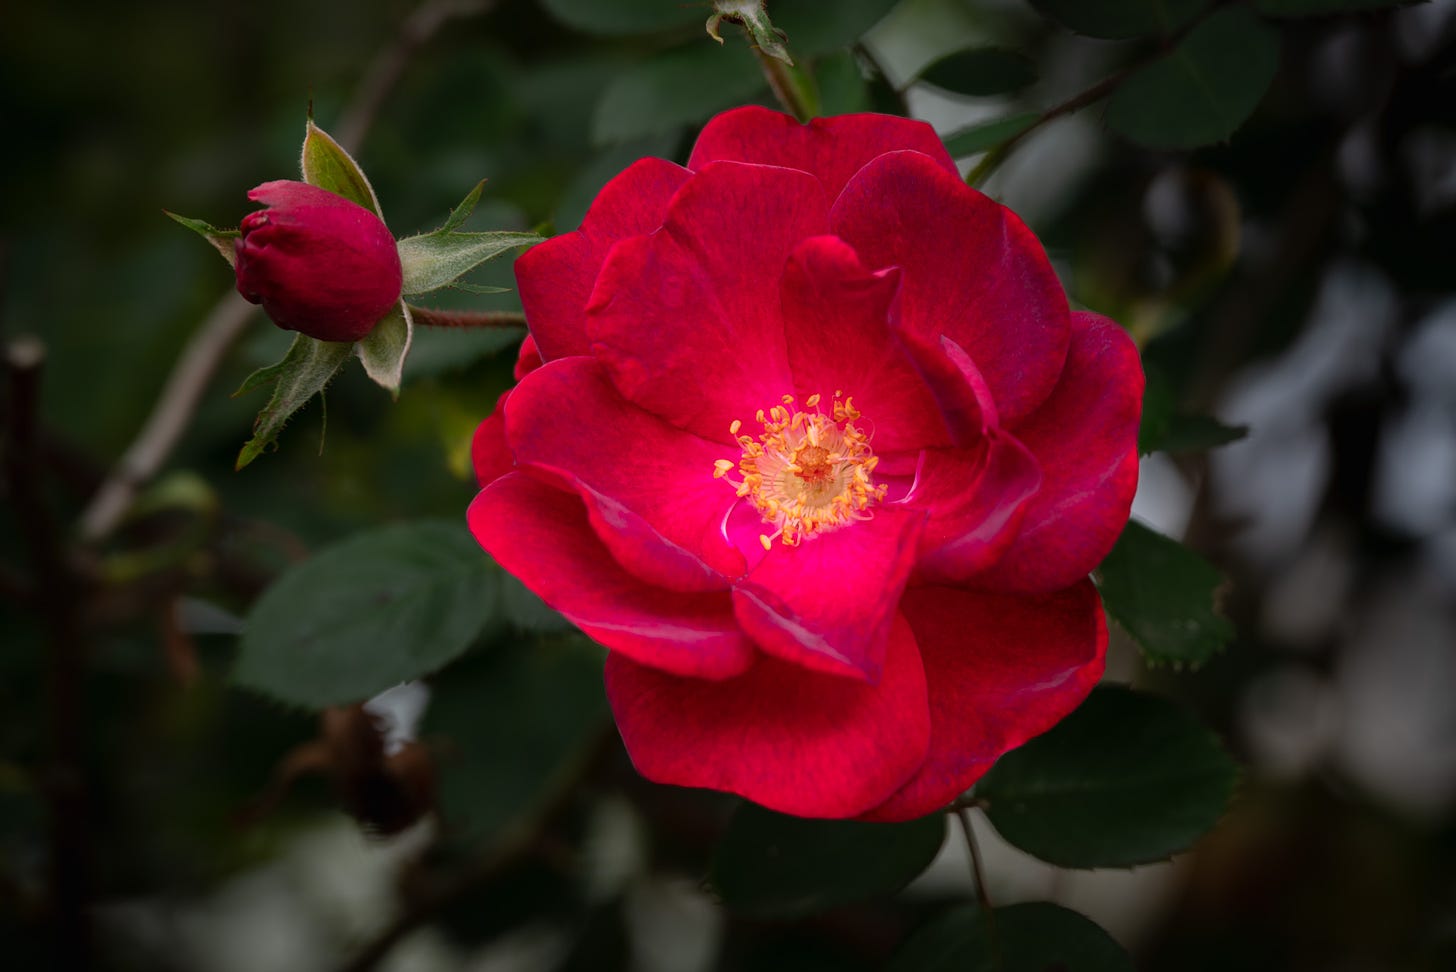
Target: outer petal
x=1085 y=439
x=791 y=740
x=976 y=500
x=972 y=272
x=688 y=320
x=556 y=277
x=836 y=324
x=648 y=486
x=832 y=149
x=528 y=358
x=1000 y=670
x=488 y=450
x=827 y=604
x=540 y=534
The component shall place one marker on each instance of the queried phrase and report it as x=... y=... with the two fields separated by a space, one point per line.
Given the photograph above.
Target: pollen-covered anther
x=808 y=472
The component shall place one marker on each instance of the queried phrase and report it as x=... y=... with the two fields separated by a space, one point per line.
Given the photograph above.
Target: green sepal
x=221 y=239
x=305 y=371
x=754 y=19
x=325 y=164
x=434 y=260
x=383 y=350
x=470 y=288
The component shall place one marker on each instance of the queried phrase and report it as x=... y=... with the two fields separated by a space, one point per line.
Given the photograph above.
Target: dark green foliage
x=1121 y=18
x=1033 y=937
x=981 y=71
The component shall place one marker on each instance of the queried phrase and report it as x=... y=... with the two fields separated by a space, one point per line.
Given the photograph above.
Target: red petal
x=836 y=323
x=791 y=740
x=827 y=604
x=540 y=534
x=832 y=149
x=976 y=499
x=1000 y=669
x=972 y=270
x=488 y=450
x=688 y=320
x=556 y=277
x=648 y=485
x=528 y=358
x=1085 y=440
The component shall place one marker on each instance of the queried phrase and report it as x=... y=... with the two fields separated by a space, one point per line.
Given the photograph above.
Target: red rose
x=819 y=453
x=317 y=262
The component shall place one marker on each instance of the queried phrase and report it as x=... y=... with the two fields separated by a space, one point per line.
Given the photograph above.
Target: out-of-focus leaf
x=1165 y=596
x=1034 y=937
x=380 y=608
x=1127 y=779
x=508 y=723
x=771 y=864
x=1118 y=19
x=814 y=27
x=304 y=372
x=434 y=260
x=843 y=88
x=616 y=18
x=754 y=19
x=680 y=87
x=221 y=239
x=1164 y=429
x=1202 y=90
x=325 y=164
x=988 y=134
x=981 y=71
x=384 y=349
x=1314 y=8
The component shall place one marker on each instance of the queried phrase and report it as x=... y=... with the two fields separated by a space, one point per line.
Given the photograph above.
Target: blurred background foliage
x=1292 y=273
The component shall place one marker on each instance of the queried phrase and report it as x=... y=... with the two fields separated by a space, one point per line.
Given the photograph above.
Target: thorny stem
x=225 y=323
x=435 y=317
x=789 y=86
x=55 y=593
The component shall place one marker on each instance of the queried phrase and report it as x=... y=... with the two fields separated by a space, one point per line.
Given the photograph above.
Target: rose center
x=808 y=472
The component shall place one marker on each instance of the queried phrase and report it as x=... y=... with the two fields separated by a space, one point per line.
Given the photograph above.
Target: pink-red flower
x=317 y=262
x=808 y=438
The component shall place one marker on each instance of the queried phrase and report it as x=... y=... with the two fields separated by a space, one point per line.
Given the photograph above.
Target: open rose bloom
x=807 y=437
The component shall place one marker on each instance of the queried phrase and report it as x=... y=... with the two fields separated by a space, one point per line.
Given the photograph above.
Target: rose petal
x=528 y=358
x=555 y=278
x=540 y=534
x=1085 y=439
x=972 y=271
x=488 y=450
x=648 y=485
x=837 y=328
x=832 y=149
x=688 y=320
x=792 y=740
x=1000 y=669
x=976 y=500
x=827 y=603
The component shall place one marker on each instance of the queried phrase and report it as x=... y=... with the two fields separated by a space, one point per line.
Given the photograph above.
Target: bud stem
x=433 y=317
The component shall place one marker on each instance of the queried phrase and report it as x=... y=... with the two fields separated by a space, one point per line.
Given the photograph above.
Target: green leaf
x=678 y=87
x=221 y=239
x=470 y=288
x=304 y=372
x=380 y=608
x=325 y=164
x=1204 y=89
x=383 y=350
x=1033 y=937
x=771 y=864
x=1126 y=779
x=1119 y=19
x=462 y=212
x=815 y=28
x=434 y=260
x=510 y=723
x=989 y=134
x=1165 y=596
x=618 y=18
x=843 y=88
x=1315 y=8
x=754 y=19
x=981 y=72
x=1165 y=430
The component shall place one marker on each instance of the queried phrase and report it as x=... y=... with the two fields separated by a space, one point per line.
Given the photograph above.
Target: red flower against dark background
x=808 y=438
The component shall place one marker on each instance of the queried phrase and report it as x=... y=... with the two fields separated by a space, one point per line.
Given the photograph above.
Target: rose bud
x=317 y=262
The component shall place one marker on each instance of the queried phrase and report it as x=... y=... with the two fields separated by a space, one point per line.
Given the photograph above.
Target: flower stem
x=978 y=874
x=434 y=317
x=792 y=87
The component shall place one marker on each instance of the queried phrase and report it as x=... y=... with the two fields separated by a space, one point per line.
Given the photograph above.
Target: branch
x=228 y=318
x=436 y=317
